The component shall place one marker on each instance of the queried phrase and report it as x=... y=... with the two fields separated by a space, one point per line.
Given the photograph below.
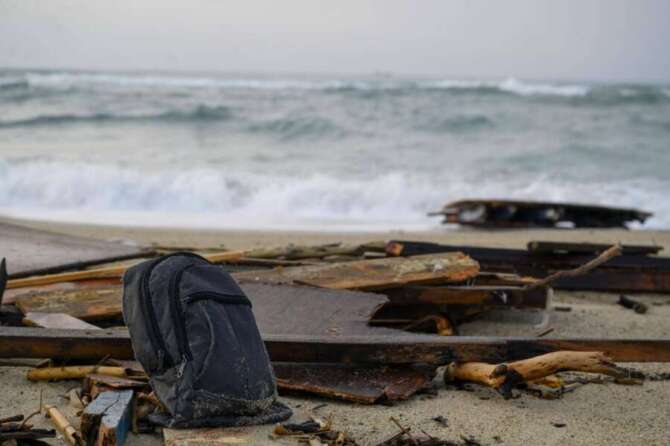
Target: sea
x=323 y=153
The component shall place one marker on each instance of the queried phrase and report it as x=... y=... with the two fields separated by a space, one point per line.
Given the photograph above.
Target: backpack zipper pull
x=182 y=366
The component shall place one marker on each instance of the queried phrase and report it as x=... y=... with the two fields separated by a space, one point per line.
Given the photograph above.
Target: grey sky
x=587 y=39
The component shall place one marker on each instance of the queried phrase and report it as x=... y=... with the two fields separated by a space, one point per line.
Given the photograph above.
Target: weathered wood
x=374 y=274
x=553 y=248
x=507 y=375
x=94 y=384
x=279 y=309
x=23 y=342
x=215 y=436
x=111 y=271
x=627 y=273
x=516 y=213
x=72 y=372
x=366 y=385
x=297 y=252
x=470 y=295
x=32 y=251
x=107 y=419
x=87 y=304
x=56 y=320
x=63 y=425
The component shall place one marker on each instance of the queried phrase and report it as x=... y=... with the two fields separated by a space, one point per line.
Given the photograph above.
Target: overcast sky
x=552 y=39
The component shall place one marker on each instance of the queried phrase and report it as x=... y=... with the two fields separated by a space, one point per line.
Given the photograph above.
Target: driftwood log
x=505 y=376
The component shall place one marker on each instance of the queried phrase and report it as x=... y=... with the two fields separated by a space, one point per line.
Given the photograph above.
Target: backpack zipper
x=176 y=312
x=156 y=340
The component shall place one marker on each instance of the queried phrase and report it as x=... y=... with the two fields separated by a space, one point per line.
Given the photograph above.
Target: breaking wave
x=215 y=197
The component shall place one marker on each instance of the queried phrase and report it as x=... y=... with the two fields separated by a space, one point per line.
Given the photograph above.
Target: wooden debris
x=112 y=271
x=525 y=214
x=217 y=436
x=15 y=428
x=632 y=304
x=355 y=383
x=606 y=255
x=88 y=304
x=107 y=419
x=512 y=296
x=625 y=273
x=56 y=320
x=73 y=372
x=26 y=342
x=63 y=426
x=374 y=274
x=553 y=248
x=94 y=384
x=506 y=376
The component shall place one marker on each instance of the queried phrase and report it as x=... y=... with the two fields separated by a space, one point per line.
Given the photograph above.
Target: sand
x=606 y=414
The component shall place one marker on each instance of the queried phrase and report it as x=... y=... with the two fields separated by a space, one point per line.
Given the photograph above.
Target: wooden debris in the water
x=107 y=420
x=632 y=304
x=506 y=376
x=56 y=320
x=63 y=426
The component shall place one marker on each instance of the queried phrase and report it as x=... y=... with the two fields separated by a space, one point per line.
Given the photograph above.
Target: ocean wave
x=199 y=113
x=290 y=128
x=225 y=197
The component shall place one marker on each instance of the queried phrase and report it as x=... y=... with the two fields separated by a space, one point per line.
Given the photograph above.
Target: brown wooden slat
x=470 y=295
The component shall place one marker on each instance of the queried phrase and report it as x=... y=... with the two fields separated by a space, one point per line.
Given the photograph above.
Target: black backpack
x=193 y=331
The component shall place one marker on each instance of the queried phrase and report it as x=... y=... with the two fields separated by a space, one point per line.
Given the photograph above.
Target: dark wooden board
x=32 y=251
x=470 y=295
x=22 y=342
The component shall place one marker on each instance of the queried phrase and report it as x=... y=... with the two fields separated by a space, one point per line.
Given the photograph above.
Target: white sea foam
x=514 y=86
x=67 y=80
x=209 y=197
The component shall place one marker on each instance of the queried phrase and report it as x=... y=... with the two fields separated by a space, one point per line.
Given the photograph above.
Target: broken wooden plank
x=56 y=320
x=470 y=295
x=32 y=251
x=95 y=384
x=365 y=385
x=25 y=342
x=518 y=213
x=107 y=419
x=373 y=274
x=550 y=247
x=88 y=304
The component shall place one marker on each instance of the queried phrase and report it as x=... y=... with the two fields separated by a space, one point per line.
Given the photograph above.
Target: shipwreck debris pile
x=366 y=324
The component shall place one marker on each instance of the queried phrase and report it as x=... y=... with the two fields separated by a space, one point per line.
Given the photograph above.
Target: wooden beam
x=23 y=342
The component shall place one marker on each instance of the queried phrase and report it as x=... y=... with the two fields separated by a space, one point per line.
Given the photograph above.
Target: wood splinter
x=63 y=426
x=504 y=377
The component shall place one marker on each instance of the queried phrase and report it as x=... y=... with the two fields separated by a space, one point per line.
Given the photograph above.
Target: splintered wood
x=107 y=420
x=374 y=274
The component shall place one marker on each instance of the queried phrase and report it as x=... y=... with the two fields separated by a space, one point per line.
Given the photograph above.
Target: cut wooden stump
x=107 y=419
